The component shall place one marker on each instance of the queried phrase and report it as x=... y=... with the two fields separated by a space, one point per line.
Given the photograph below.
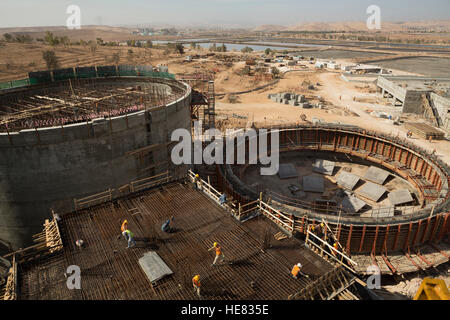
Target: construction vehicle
x=432 y=289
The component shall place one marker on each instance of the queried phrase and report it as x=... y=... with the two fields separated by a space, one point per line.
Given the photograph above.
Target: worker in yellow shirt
x=196 y=178
x=196 y=284
x=219 y=254
x=335 y=246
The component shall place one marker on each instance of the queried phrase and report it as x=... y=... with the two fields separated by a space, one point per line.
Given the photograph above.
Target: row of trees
x=215 y=48
x=140 y=44
x=20 y=38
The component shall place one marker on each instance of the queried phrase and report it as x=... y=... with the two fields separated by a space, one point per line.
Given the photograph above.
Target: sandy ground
x=16 y=60
x=339 y=107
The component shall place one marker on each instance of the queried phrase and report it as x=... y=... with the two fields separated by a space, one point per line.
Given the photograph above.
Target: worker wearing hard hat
x=219 y=254
x=196 y=177
x=296 y=270
x=335 y=246
x=322 y=228
x=123 y=228
x=196 y=284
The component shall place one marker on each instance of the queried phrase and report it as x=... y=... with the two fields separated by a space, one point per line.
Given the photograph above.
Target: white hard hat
x=299 y=265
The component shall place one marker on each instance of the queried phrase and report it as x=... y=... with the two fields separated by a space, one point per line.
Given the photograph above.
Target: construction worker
x=166 y=226
x=223 y=198
x=130 y=238
x=195 y=180
x=123 y=228
x=219 y=253
x=296 y=270
x=196 y=284
x=335 y=246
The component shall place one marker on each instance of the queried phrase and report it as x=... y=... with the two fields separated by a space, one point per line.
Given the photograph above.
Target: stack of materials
x=292 y=99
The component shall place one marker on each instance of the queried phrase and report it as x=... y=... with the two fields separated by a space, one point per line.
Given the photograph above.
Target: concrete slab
x=286 y=171
x=371 y=191
x=383 y=212
x=313 y=184
x=323 y=166
x=347 y=180
x=400 y=197
x=352 y=204
x=153 y=266
x=376 y=175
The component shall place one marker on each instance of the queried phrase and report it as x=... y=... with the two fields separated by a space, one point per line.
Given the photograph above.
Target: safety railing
x=149 y=182
x=10 y=292
x=276 y=216
x=93 y=199
x=313 y=241
x=211 y=192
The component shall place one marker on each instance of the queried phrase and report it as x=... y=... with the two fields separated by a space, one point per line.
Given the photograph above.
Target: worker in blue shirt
x=166 y=226
x=223 y=198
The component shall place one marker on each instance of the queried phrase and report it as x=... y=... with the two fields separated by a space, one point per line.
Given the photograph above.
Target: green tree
x=93 y=48
x=7 y=37
x=50 y=58
x=246 y=50
x=51 y=39
x=100 y=41
x=65 y=41
x=115 y=58
x=23 y=38
x=180 y=48
x=268 y=51
x=275 y=72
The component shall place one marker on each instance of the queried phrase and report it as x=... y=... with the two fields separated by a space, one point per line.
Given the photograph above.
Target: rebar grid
x=111 y=271
x=81 y=100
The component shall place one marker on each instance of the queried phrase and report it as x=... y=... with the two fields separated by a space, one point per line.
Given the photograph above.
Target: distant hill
x=386 y=26
x=107 y=33
x=269 y=28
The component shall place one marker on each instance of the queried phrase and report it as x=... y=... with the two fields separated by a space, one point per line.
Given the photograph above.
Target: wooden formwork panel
x=394 y=238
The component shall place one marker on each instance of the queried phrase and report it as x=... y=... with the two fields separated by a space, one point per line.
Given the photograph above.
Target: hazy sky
x=15 y=13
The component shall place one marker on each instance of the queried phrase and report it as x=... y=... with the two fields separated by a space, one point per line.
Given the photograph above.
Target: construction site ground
x=344 y=102
x=259 y=265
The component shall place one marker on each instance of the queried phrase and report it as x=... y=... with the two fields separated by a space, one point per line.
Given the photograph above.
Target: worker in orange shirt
x=296 y=270
x=219 y=253
x=196 y=284
x=124 y=228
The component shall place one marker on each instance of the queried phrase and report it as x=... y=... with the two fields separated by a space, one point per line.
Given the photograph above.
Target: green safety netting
x=127 y=71
x=14 y=84
x=20 y=83
x=39 y=77
x=106 y=71
x=63 y=74
x=86 y=72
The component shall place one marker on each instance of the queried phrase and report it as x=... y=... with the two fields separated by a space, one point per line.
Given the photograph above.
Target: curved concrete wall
x=46 y=168
x=424 y=171
x=365 y=234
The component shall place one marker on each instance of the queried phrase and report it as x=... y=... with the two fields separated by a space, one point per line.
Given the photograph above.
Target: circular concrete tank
x=76 y=138
x=403 y=229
